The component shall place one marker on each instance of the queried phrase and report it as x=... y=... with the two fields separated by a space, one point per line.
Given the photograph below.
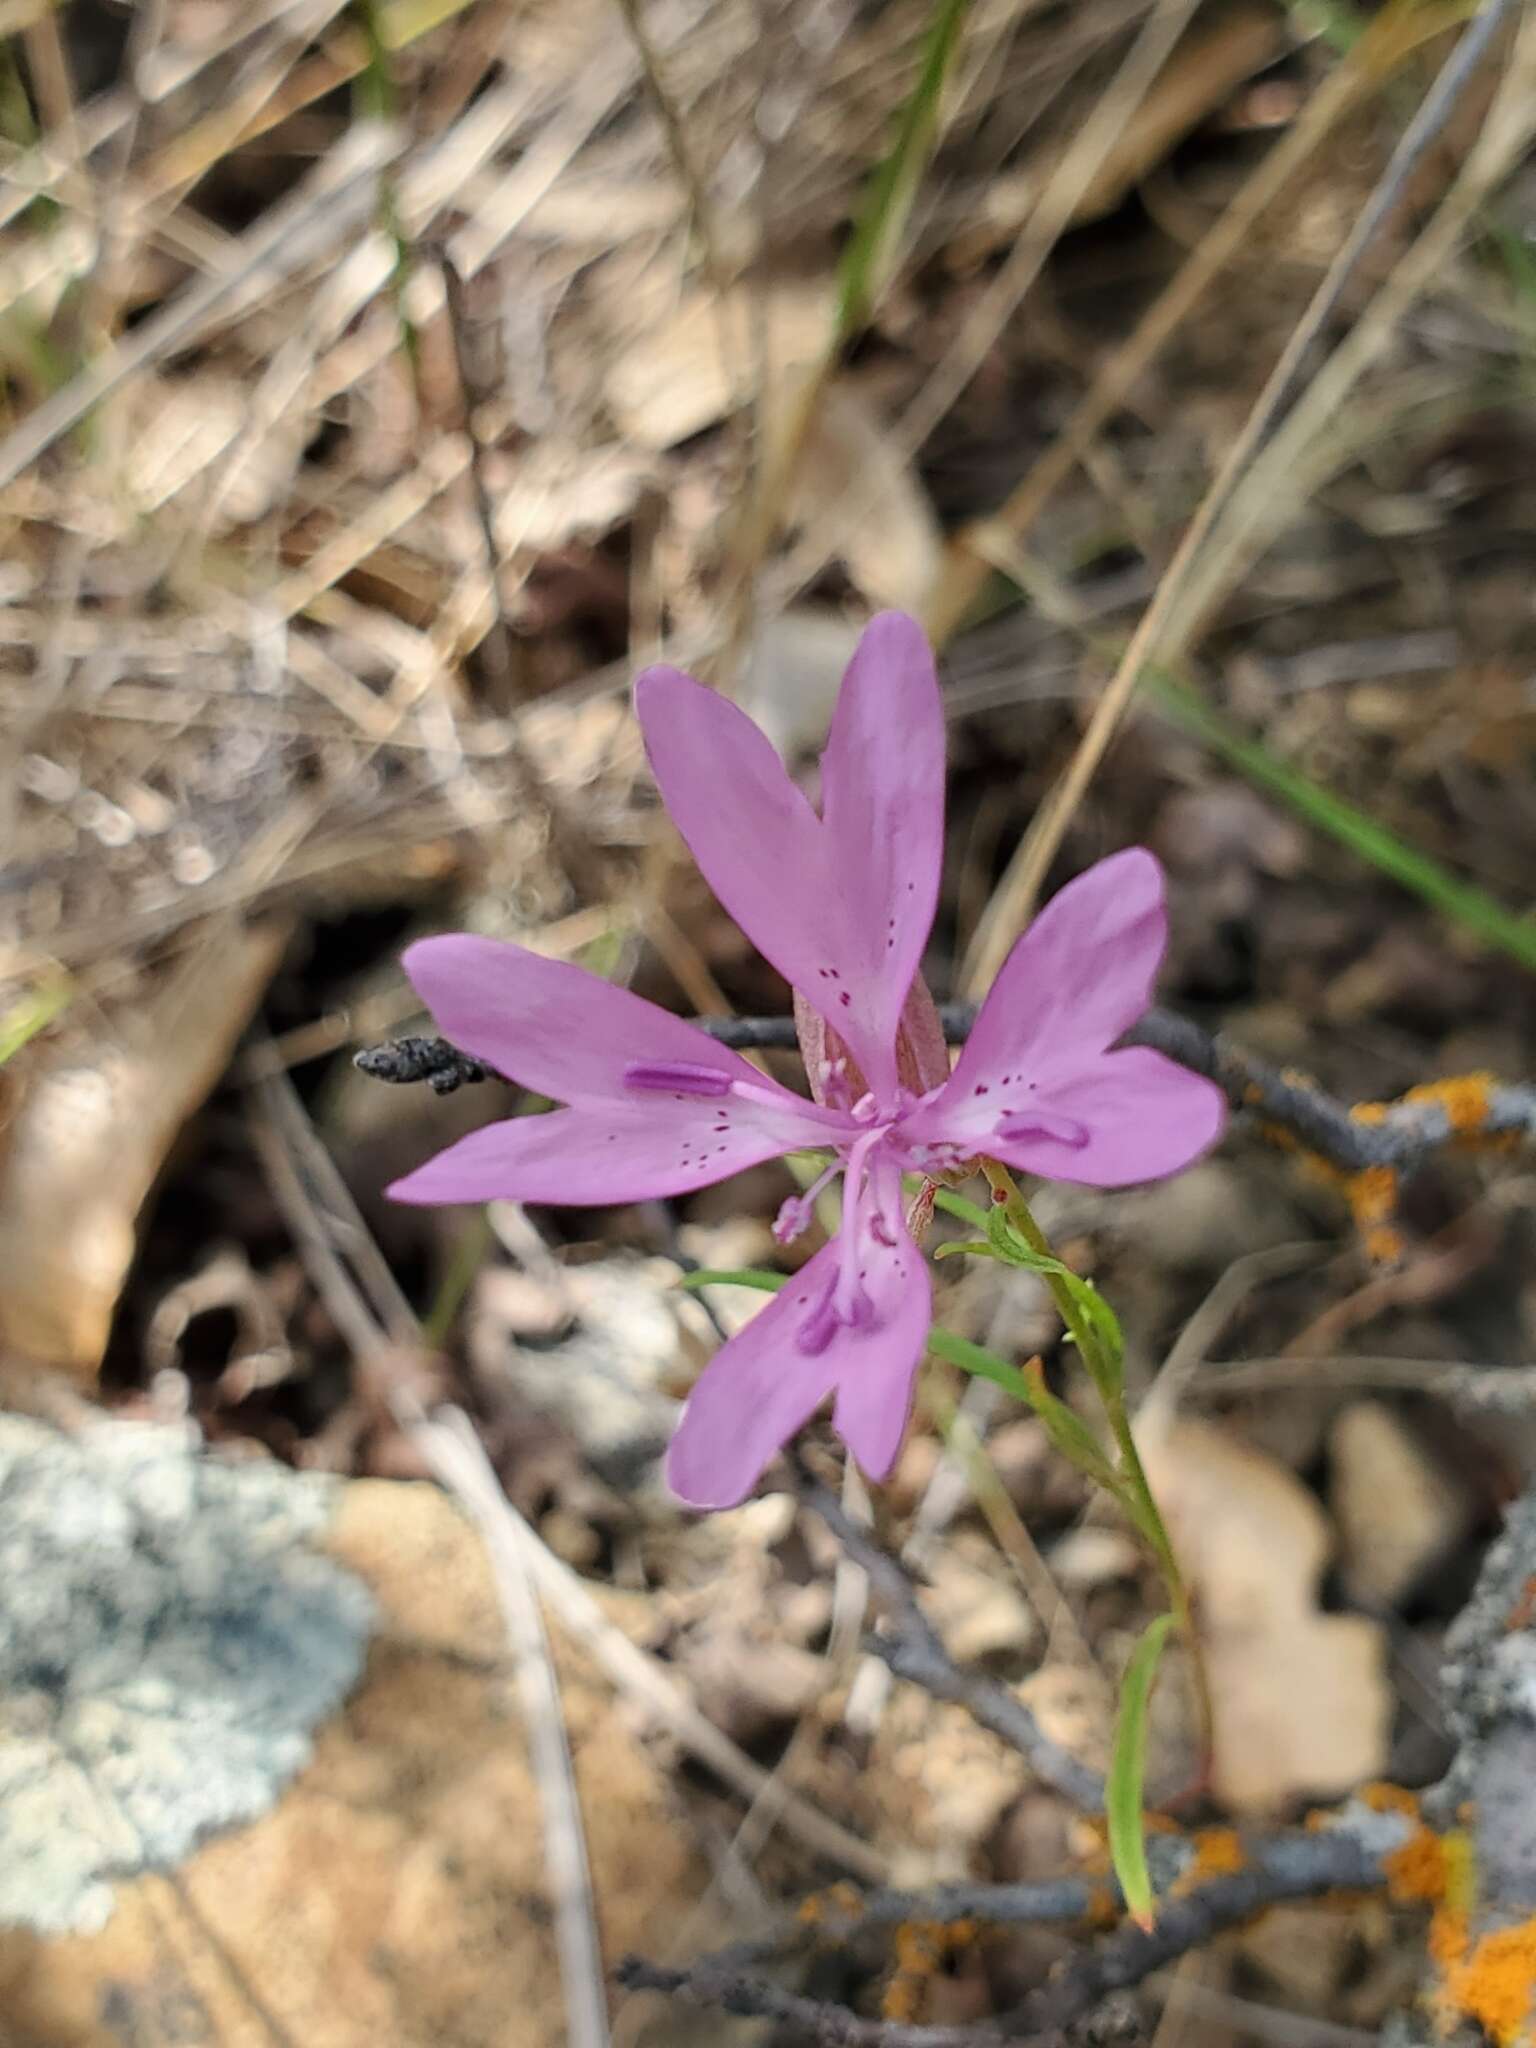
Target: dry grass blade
x=455 y=1454
x=1189 y=586
x=1084 y=161
x=1082 y=164
x=1390 y=37
x=376 y=1320
x=309 y=226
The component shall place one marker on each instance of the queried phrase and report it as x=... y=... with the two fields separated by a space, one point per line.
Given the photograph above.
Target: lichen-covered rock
x=169 y=1639
x=395 y=1889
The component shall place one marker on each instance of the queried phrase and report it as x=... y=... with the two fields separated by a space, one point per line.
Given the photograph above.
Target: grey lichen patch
x=169 y=1638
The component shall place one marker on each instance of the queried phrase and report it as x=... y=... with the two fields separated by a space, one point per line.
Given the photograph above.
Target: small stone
x=1399 y=1511
x=1088 y=1557
x=979 y=1612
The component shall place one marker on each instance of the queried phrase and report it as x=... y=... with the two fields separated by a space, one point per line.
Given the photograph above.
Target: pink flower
x=841 y=904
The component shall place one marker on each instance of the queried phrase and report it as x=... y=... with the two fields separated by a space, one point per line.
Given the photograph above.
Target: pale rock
x=979 y=1612
x=396 y=1889
x=1090 y=1556
x=1399 y=1512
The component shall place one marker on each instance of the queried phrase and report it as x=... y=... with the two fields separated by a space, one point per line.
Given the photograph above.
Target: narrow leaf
x=871 y=254
x=1069 y=1433
x=745 y=1276
x=957 y=1205
x=1127 y=1774
x=1508 y=930
x=981 y=1363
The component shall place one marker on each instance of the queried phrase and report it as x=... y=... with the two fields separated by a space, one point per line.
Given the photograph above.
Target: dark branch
x=913 y=1651
x=1284 y=1868
x=1402 y=1136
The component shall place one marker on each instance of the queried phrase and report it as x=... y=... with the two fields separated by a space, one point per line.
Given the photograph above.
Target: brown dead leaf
x=1302 y=1703
x=850 y=456
x=92 y=1123
x=691 y=366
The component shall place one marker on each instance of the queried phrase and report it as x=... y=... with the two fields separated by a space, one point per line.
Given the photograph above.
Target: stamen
x=676 y=1077
x=797 y=1213
x=1018 y=1128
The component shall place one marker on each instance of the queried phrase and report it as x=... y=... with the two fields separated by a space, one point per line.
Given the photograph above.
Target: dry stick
x=326 y=1222
x=1285 y=1868
x=1014 y=898
x=1404 y=1136
x=1052 y=213
x=1264 y=495
x=1049 y=219
x=913 y=1651
x=458 y=1458
x=571 y=847
x=313 y=221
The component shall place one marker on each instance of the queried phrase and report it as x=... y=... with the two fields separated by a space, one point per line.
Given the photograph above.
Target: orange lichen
x=1493 y=1981
x=841 y=1901
x=1382 y=1796
x=1417 y=1873
x=1369 y=1112
x=1218 y=1853
x=1523 y=1613
x=1372 y=1197
x=1465 y=1098
x=922 y=1948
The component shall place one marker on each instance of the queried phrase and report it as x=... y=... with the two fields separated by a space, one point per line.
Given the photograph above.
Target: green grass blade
x=743 y=1276
x=981 y=1363
x=871 y=254
x=1127 y=1773
x=32 y=1013
x=1510 y=931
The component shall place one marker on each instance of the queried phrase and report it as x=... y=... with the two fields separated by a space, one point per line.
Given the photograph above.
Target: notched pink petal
x=753 y=833
x=1126 y=1117
x=882 y=781
x=767 y=1382
x=1079 y=977
x=570 y=1035
x=841 y=904
x=757 y=1391
x=874 y=1396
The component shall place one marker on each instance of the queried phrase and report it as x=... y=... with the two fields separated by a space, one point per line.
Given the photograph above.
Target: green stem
x=1105 y=1374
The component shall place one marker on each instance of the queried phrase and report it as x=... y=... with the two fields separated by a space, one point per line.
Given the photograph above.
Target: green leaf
x=745 y=1276
x=1069 y=1433
x=1127 y=1773
x=1103 y=1354
x=956 y=1205
x=984 y=1364
x=1511 y=932
x=871 y=254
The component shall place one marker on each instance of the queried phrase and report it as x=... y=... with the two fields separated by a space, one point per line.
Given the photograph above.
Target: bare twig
x=913 y=1650
x=1287 y=1867
x=365 y=1302
x=308 y=226
x=457 y=1457
x=1401 y=1134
